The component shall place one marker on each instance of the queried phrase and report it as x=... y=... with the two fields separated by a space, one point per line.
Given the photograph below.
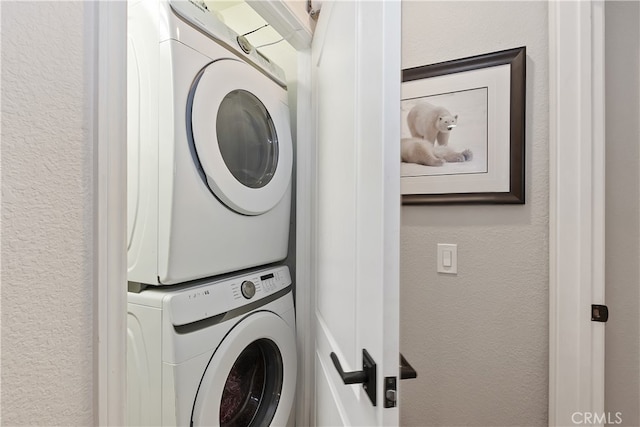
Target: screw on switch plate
x=447 y=261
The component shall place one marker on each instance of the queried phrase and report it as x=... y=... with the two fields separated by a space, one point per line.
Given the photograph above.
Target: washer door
x=250 y=379
x=240 y=129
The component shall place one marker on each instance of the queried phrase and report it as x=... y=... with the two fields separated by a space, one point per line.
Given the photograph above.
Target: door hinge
x=313 y=12
x=599 y=313
x=390 y=392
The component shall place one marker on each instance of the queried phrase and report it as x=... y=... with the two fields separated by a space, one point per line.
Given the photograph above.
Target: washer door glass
x=247 y=139
x=253 y=387
x=250 y=379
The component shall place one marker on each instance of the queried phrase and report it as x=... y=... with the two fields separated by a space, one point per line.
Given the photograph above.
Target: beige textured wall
x=622 y=359
x=47 y=362
x=479 y=340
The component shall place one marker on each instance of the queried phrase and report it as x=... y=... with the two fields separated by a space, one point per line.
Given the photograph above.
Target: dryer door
x=250 y=379
x=241 y=134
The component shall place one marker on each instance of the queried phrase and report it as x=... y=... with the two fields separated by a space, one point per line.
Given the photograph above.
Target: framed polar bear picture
x=463 y=130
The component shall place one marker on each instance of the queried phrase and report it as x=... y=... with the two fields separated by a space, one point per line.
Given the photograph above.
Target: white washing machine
x=209 y=148
x=218 y=353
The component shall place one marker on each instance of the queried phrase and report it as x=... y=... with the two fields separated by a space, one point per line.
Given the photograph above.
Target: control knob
x=248 y=289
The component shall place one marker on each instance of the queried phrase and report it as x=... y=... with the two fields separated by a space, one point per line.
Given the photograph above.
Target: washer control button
x=248 y=289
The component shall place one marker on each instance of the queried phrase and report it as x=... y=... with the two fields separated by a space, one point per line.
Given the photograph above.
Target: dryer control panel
x=190 y=304
x=197 y=13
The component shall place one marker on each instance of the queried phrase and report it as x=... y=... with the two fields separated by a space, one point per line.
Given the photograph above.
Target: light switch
x=447 y=258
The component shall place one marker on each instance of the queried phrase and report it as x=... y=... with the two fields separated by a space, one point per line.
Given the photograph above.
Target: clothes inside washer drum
x=244 y=389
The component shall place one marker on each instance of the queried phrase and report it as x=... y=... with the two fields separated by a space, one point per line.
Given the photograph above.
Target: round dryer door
x=250 y=379
x=241 y=133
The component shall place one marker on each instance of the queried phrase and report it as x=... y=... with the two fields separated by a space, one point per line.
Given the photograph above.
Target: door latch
x=366 y=377
x=390 y=392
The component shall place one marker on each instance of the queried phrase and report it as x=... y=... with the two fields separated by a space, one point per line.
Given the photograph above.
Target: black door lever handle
x=366 y=377
x=353 y=377
x=406 y=370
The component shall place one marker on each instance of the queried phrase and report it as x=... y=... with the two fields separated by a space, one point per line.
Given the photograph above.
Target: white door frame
x=107 y=21
x=576 y=240
x=305 y=235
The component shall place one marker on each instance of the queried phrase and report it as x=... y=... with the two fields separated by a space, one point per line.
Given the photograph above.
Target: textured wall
x=622 y=368
x=46 y=217
x=479 y=340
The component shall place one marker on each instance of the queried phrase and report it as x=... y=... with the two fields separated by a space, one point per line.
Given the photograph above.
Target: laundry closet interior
x=255 y=184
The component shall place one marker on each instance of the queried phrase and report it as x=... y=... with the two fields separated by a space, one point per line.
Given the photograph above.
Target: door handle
x=406 y=370
x=354 y=377
x=366 y=377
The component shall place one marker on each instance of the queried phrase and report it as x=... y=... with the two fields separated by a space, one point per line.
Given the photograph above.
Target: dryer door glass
x=247 y=139
x=253 y=387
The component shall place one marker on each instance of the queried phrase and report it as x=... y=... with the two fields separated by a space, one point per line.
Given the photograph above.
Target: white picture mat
x=419 y=179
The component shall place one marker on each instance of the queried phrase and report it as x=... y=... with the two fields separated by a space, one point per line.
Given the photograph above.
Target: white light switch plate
x=447 y=258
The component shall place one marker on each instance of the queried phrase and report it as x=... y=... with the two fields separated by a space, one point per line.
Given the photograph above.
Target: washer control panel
x=190 y=303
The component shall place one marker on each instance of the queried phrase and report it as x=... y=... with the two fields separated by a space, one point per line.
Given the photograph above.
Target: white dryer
x=220 y=353
x=209 y=146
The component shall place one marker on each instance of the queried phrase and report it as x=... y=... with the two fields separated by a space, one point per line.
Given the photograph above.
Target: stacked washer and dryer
x=211 y=333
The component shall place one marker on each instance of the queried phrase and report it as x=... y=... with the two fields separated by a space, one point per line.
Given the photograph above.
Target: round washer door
x=251 y=377
x=241 y=133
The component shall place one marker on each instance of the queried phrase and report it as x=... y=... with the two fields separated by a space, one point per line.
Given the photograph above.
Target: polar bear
x=430 y=124
x=423 y=152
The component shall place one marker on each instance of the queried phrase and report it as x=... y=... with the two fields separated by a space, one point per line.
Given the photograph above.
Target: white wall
x=47 y=277
x=622 y=364
x=479 y=340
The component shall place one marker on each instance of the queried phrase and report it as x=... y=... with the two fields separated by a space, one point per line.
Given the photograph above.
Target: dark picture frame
x=502 y=178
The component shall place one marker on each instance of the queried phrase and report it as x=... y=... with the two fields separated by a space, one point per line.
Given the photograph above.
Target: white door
x=356 y=97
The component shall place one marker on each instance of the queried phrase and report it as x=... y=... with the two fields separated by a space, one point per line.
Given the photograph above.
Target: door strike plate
x=599 y=313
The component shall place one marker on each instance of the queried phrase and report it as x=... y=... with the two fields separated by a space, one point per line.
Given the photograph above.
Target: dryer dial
x=248 y=289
